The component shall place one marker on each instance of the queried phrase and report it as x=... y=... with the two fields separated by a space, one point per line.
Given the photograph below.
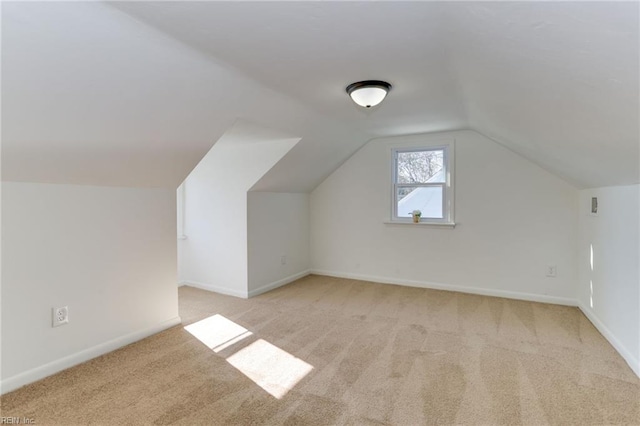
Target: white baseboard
x=530 y=297
x=35 y=374
x=628 y=356
x=216 y=289
x=279 y=283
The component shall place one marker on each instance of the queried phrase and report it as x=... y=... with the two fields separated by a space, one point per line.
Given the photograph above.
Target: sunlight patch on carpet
x=218 y=332
x=273 y=369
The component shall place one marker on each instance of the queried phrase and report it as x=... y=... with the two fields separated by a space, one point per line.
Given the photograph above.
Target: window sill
x=436 y=224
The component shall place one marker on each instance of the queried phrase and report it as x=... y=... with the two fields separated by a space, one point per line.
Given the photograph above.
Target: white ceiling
x=134 y=93
x=312 y=50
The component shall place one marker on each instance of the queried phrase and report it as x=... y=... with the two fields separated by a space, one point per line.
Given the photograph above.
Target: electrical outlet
x=552 y=271
x=283 y=260
x=60 y=316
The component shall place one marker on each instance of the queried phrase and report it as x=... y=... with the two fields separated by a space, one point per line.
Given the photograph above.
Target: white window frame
x=448 y=149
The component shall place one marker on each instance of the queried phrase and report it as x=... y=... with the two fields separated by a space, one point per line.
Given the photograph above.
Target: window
x=423 y=180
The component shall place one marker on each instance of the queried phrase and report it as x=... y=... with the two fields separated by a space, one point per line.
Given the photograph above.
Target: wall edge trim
x=449 y=287
x=632 y=361
x=33 y=375
x=268 y=287
x=214 y=288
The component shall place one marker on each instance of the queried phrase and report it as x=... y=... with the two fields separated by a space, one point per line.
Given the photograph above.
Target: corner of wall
x=608 y=290
x=632 y=360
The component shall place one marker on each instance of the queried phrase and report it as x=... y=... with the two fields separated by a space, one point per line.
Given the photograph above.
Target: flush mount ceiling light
x=368 y=93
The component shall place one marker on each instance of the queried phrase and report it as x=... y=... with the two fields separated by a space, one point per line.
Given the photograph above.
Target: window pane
x=427 y=199
x=420 y=167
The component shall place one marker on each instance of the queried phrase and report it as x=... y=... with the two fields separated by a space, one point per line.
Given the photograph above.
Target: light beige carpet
x=330 y=351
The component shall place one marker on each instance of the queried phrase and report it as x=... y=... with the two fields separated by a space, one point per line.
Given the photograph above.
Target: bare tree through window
x=417 y=167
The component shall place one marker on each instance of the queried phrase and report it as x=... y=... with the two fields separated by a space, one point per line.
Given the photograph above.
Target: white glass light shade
x=368 y=93
x=368 y=96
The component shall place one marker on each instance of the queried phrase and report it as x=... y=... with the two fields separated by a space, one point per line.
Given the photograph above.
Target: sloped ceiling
x=92 y=96
x=556 y=82
x=135 y=93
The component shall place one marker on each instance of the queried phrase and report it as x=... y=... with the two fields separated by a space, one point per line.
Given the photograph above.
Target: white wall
x=513 y=219
x=214 y=254
x=278 y=225
x=609 y=290
x=215 y=226
x=107 y=253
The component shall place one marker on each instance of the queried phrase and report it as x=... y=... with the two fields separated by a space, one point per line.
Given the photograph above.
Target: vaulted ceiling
x=135 y=93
